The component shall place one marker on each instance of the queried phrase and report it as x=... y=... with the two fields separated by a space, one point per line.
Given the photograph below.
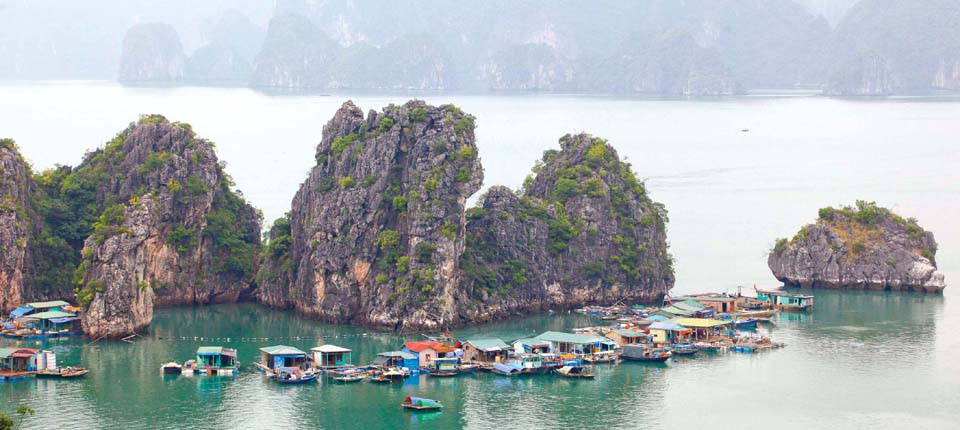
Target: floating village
x=682 y=326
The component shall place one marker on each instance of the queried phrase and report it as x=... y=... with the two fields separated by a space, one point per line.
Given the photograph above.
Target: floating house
x=17 y=363
x=54 y=323
x=706 y=329
x=687 y=308
x=719 y=304
x=281 y=357
x=485 y=351
x=668 y=332
x=531 y=346
x=29 y=308
x=627 y=336
x=427 y=351
x=572 y=343
x=217 y=360
x=398 y=359
x=331 y=356
x=786 y=300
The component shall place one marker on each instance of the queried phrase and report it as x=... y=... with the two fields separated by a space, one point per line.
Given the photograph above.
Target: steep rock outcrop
x=122 y=268
x=151 y=53
x=864 y=75
x=947 y=76
x=583 y=231
x=17 y=191
x=162 y=227
x=861 y=247
x=376 y=231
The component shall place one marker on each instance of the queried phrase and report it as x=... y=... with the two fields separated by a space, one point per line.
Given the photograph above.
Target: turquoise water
x=859 y=360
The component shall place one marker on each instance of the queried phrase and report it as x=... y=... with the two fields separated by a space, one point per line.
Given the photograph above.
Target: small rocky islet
x=859 y=247
x=379 y=234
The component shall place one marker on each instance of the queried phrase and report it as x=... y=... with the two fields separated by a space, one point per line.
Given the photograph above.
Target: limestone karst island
x=440 y=215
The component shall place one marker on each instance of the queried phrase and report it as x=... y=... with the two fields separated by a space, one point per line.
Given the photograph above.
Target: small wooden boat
x=171 y=368
x=650 y=355
x=759 y=313
x=467 y=368
x=683 y=349
x=356 y=377
x=443 y=373
x=296 y=377
x=600 y=358
x=746 y=324
x=390 y=374
x=63 y=373
x=421 y=404
x=574 y=372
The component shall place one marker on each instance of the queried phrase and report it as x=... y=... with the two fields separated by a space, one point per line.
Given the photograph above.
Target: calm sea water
x=860 y=360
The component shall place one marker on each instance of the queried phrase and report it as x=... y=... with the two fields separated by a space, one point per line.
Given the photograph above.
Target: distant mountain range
x=673 y=47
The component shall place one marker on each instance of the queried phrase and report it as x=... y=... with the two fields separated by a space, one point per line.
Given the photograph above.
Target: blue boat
x=747 y=324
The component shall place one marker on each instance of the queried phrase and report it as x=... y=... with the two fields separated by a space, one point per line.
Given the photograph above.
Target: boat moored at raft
x=574 y=372
x=646 y=353
x=69 y=372
x=171 y=368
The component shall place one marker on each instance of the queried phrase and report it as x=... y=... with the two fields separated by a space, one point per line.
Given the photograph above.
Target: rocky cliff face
x=947 y=76
x=889 y=46
x=121 y=270
x=17 y=191
x=861 y=247
x=583 y=231
x=696 y=47
x=864 y=75
x=160 y=225
x=376 y=231
x=151 y=53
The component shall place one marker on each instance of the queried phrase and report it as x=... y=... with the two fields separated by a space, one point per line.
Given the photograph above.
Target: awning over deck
x=50 y=315
x=20 y=311
x=48 y=305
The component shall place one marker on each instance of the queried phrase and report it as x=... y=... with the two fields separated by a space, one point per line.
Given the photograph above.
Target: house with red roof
x=427 y=351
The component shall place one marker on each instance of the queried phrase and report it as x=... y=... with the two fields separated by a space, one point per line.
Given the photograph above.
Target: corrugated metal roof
x=629 y=332
x=401 y=354
x=215 y=350
x=20 y=311
x=8 y=352
x=557 y=336
x=488 y=344
x=532 y=341
x=282 y=350
x=675 y=310
x=700 y=322
x=47 y=305
x=329 y=348
x=49 y=315
x=666 y=326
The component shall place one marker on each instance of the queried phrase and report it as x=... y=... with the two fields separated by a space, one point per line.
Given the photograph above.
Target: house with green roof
x=486 y=351
x=573 y=343
x=217 y=360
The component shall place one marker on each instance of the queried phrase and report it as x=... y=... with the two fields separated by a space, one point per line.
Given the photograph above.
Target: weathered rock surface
x=16 y=194
x=376 y=231
x=167 y=229
x=151 y=53
x=862 y=247
x=582 y=232
x=122 y=269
